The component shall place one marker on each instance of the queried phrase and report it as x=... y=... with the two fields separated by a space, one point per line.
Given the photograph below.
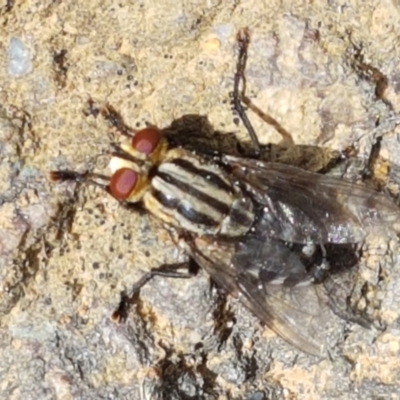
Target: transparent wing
x=270 y=279
x=299 y=206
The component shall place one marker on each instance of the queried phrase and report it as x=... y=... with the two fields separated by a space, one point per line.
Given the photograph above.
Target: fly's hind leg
x=165 y=271
x=320 y=272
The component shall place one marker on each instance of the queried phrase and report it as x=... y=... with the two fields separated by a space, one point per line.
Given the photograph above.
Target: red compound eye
x=146 y=140
x=122 y=183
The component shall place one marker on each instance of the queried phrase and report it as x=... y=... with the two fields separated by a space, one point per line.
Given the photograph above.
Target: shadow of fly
x=265 y=232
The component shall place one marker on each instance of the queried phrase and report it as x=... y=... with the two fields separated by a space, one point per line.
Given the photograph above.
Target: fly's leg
x=111 y=115
x=368 y=72
x=317 y=256
x=119 y=152
x=376 y=170
x=243 y=39
x=67 y=210
x=239 y=97
x=368 y=172
x=321 y=271
x=90 y=177
x=81 y=178
x=165 y=271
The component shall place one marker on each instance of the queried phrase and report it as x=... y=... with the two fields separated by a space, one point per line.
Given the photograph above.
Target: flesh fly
x=254 y=226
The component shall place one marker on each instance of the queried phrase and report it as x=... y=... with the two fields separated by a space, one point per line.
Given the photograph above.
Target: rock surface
x=67 y=252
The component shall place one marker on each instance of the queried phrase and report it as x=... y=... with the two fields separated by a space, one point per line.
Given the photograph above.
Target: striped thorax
x=179 y=187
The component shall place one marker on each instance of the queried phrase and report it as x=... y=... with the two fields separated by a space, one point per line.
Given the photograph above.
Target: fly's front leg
x=165 y=271
x=68 y=210
x=111 y=115
x=90 y=178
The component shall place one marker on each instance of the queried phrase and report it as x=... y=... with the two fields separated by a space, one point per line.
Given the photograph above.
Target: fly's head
x=132 y=165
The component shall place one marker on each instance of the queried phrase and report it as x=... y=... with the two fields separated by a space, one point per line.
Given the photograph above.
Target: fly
x=254 y=226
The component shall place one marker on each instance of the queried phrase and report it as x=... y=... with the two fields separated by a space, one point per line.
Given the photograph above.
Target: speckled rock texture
x=327 y=71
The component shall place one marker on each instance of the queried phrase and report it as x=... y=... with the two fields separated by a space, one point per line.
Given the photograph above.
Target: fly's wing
x=299 y=206
x=271 y=281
